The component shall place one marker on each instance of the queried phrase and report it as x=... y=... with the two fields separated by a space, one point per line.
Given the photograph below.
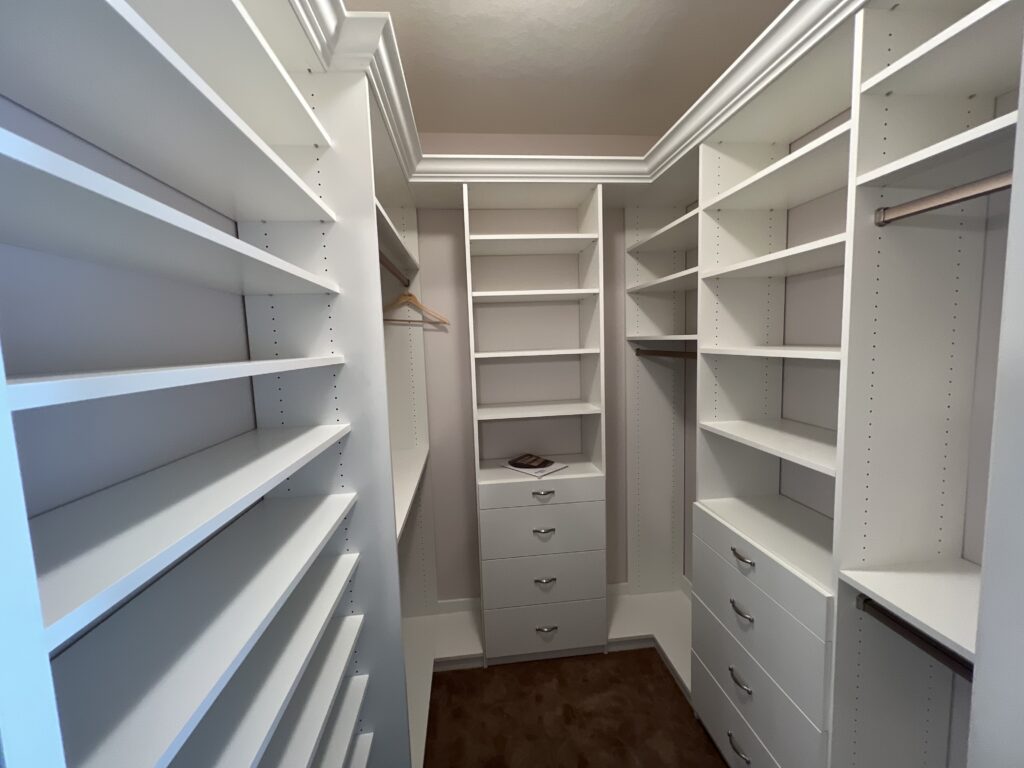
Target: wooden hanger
x=410 y=300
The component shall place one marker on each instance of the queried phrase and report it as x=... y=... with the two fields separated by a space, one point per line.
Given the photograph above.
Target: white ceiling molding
x=366 y=41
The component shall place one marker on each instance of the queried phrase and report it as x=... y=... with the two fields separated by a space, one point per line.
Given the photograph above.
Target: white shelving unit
x=803 y=444
x=815 y=256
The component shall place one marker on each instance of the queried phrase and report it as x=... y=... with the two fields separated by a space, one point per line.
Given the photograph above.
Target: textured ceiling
x=611 y=67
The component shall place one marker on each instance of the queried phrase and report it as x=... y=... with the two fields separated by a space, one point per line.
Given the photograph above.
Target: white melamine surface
x=678 y=235
x=391 y=243
x=791 y=351
x=103 y=221
x=342 y=733
x=665 y=338
x=803 y=444
x=238 y=728
x=513 y=297
x=522 y=245
x=93 y=553
x=41 y=391
x=821 y=254
x=359 y=757
x=678 y=281
x=509 y=582
x=940 y=598
x=122 y=88
x=140 y=682
x=407 y=465
x=980 y=53
x=512 y=532
x=537 y=353
x=538 y=410
x=300 y=731
x=579 y=465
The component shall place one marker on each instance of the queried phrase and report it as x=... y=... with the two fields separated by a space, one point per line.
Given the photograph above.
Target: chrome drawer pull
x=737 y=750
x=547 y=630
x=543 y=494
x=741 y=558
x=745 y=688
x=741 y=614
x=543 y=531
x=546 y=580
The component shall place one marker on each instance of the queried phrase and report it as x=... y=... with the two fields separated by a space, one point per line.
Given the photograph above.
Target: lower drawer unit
x=519 y=581
x=795 y=658
x=544 y=628
x=546 y=490
x=792 y=739
x=734 y=738
x=541 y=529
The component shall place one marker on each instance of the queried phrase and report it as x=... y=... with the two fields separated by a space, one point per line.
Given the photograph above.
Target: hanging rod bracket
x=964 y=192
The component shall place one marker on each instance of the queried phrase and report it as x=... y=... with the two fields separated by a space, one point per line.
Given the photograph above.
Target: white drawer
x=796 y=659
x=802 y=598
x=540 y=579
x=792 y=739
x=733 y=737
x=547 y=490
x=542 y=529
x=516 y=631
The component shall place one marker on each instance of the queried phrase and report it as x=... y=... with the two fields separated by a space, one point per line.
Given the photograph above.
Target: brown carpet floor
x=620 y=710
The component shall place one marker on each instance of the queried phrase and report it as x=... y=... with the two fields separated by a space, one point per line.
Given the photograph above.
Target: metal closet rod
x=913 y=635
x=665 y=353
x=968 y=191
x=390 y=267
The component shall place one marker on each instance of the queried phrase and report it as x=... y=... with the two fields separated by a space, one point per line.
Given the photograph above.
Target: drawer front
x=796 y=659
x=801 y=598
x=540 y=579
x=514 y=631
x=547 y=490
x=733 y=737
x=791 y=738
x=542 y=529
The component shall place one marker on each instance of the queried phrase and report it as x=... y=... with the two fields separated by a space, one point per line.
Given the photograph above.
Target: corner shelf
x=826 y=253
x=94 y=553
x=792 y=352
x=512 y=297
x=530 y=245
x=106 y=222
x=677 y=235
x=537 y=410
x=391 y=243
x=527 y=353
x=803 y=444
x=407 y=466
x=685 y=280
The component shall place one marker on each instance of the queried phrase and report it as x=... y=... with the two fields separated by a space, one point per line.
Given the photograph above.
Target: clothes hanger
x=410 y=300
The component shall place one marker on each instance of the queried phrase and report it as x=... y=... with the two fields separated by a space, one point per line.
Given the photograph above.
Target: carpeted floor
x=616 y=710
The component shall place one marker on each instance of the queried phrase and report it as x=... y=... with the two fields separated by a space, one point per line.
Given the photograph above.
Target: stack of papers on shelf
x=537 y=466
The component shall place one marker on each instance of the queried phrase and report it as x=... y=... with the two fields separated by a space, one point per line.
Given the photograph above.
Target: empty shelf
x=663 y=616
x=538 y=410
x=827 y=253
x=979 y=54
x=97 y=551
x=407 y=465
x=666 y=338
x=820 y=167
x=940 y=598
x=103 y=221
x=124 y=89
x=41 y=391
x=527 y=245
x=793 y=534
x=173 y=648
x=304 y=723
x=360 y=756
x=511 y=297
x=536 y=353
x=803 y=444
x=238 y=727
x=391 y=244
x=342 y=733
x=792 y=352
x=678 y=235
x=495 y=471
x=679 y=281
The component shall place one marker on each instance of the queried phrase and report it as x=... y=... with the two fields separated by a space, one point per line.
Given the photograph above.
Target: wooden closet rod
x=913 y=635
x=390 y=267
x=959 y=194
x=666 y=353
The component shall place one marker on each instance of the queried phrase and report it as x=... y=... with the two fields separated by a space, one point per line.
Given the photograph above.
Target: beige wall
x=534 y=144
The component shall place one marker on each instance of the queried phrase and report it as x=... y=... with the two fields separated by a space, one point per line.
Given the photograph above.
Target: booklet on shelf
x=537 y=466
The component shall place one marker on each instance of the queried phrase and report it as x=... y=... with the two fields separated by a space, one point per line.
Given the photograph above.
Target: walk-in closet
x=427 y=385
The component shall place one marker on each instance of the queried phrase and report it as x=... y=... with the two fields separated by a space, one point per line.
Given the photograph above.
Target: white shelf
x=124 y=89
x=795 y=535
x=360 y=756
x=826 y=253
x=537 y=410
x=335 y=749
x=940 y=598
x=979 y=54
x=237 y=729
x=513 y=297
x=792 y=352
x=529 y=245
x=106 y=222
x=820 y=167
x=495 y=471
x=173 y=648
x=803 y=444
x=251 y=79
x=407 y=465
x=43 y=391
x=304 y=724
x=670 y=338
x=536 y=353
x=973 y=154
x=664 y=617
x=678 y=235
x=95 y=552
x=392 y=245
x=678 y=281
